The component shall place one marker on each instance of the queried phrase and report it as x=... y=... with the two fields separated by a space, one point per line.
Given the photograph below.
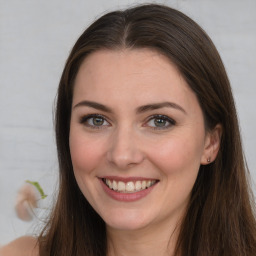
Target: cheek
x=177 y=156
x=85 y=154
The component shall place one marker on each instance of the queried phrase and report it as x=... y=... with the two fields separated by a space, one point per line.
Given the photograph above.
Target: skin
x=24 y=246
x=128 y=143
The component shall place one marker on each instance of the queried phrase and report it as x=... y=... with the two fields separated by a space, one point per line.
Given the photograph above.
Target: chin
x=125 y=226
x=126 y=221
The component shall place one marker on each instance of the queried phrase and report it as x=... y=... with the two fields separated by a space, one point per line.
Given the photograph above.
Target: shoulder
x=26 y=246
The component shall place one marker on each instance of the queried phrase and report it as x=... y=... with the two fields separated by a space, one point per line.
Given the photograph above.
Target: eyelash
x=161 y=117
x=84 y=120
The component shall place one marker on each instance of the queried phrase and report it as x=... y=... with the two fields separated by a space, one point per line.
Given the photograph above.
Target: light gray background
x=35 y=39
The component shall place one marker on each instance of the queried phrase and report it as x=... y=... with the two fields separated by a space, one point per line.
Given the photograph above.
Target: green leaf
x=38 y=187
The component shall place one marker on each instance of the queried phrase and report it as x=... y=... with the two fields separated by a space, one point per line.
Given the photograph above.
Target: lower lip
x=126 y=197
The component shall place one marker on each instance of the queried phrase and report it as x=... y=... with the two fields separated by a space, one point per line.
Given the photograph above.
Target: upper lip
x=126 y=179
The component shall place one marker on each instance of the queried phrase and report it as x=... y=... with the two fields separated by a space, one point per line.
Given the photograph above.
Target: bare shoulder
x=26 y=246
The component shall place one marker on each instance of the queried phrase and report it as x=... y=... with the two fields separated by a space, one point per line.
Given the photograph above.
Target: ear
x=212 y=145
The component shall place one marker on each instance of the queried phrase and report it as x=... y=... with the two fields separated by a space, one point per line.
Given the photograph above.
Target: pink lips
x=126 y=197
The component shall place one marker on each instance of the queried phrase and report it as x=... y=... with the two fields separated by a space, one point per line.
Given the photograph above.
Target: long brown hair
x=220 y=218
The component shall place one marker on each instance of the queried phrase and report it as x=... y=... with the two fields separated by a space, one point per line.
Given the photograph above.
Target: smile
x=130 y=186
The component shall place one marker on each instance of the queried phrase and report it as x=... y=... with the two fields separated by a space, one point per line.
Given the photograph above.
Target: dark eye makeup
x=160 y=122
x=94 y=121
x=155 y=122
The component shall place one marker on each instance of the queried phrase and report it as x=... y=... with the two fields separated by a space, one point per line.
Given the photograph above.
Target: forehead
x=141 y=62
x=130 y=75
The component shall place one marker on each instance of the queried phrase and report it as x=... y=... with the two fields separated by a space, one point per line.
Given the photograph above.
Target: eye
x=94 y=121
x=159 y=122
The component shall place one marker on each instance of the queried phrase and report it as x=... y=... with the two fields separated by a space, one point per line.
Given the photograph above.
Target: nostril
x=125 y=158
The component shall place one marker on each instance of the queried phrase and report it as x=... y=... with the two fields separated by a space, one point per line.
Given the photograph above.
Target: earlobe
x=212 y=145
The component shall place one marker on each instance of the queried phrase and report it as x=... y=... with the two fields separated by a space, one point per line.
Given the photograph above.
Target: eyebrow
x=95 y=105
x=160 y=105
x=139 y=110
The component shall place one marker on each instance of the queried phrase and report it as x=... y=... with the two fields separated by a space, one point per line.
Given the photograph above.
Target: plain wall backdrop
x=35 y=40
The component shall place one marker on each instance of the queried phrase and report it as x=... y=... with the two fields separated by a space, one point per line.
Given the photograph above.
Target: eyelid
x=164 y=117
x=85 y=118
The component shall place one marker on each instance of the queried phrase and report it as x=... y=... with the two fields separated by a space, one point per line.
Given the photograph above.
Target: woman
x=149 y=149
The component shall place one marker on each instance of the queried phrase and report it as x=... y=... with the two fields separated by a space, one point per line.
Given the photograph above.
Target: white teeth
x=148 y=184
x=130 y=186
x=114 y=185
x=138 y=185
x=143 y=184
x=109 y=183
x=121 y=186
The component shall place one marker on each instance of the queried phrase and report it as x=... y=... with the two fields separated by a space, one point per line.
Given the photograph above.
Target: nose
x=125 y=149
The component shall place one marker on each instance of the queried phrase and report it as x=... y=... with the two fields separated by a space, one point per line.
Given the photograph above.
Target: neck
x=150 y=241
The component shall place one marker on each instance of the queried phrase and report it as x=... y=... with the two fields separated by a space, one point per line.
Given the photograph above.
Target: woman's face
x=137 y=138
